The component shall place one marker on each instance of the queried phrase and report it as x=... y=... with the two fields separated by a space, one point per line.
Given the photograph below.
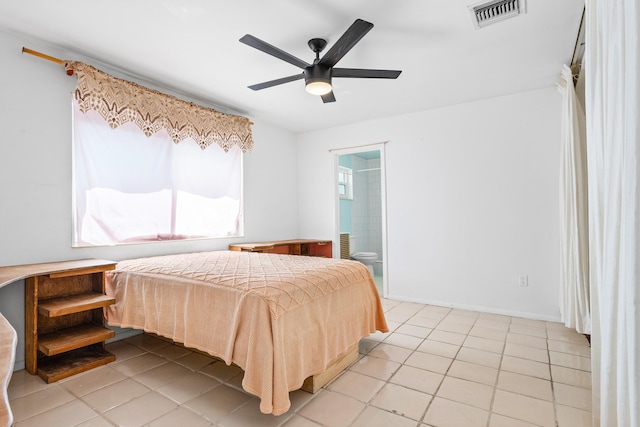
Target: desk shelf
x=63 y=365
x=72 y=338
x=55 y=307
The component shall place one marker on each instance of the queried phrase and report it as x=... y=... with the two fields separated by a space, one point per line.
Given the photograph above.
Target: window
x=132 y=188
x=345 y=183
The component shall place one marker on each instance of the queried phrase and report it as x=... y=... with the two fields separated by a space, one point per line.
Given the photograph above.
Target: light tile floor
x=438 y=367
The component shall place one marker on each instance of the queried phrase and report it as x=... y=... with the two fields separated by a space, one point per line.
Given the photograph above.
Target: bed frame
x=342 y=362
x=313 y=383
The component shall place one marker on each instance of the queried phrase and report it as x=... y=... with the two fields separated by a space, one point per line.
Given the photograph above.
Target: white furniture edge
x=6 y=368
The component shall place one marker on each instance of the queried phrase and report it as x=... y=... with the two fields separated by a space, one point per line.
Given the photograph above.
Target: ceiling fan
x=318 y=75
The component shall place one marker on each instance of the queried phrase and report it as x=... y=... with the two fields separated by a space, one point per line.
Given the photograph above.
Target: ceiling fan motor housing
x=317 y=73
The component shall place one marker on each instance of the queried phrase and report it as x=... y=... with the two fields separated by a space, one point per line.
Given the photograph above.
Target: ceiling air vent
x=488 y=13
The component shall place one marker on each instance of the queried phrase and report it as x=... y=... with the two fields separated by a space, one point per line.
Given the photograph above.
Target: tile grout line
x=553 y=388
x=495 y=383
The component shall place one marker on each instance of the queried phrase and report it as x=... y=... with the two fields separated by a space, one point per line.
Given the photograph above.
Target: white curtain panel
x=130 y=188
x=574 y=293
x=613 y=154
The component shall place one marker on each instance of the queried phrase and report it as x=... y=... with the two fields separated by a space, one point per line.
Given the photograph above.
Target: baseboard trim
x=482 y=309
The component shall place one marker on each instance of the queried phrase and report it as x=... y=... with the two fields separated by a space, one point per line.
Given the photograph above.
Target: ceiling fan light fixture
x=317 y=80
x=318 y=87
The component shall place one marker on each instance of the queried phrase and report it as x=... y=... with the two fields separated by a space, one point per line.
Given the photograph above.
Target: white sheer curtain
x=613 y=153
x=130 y=188
x=574 y=295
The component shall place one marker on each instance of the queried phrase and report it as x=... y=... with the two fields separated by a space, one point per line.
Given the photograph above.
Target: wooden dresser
x=308 y=247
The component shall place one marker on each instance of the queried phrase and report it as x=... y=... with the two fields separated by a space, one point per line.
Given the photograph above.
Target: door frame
x=383 y=200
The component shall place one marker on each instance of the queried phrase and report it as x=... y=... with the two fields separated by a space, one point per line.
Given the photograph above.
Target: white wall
x=35 y=177
x=472 y=201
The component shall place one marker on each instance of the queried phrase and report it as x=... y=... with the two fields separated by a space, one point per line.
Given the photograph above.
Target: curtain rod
x=47 y=57
x=42 y=55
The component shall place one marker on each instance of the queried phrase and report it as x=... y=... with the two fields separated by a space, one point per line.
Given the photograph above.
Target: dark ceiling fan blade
x=328 y=97
x=365 y=73
x=276 y=82
x=265 y=47
x=354 y=33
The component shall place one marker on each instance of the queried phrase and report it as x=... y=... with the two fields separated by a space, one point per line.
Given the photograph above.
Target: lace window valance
x=119 y=101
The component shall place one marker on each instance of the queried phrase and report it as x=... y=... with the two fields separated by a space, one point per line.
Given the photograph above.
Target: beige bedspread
x=281 y=318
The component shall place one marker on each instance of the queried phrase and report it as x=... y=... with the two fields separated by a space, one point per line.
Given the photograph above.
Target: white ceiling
x=192 y=46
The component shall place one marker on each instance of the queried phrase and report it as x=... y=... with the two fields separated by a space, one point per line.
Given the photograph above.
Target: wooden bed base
x=339 y=364
x=312 y=383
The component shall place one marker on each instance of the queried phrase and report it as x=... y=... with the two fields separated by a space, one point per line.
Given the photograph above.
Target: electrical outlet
x=523 y=280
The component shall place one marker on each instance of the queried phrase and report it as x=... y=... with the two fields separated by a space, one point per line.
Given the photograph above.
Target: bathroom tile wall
x=375 y=208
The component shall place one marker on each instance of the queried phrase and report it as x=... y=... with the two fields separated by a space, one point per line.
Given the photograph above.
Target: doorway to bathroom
x=360 y=209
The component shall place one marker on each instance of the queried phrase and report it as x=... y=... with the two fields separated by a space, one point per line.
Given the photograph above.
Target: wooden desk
x=12 y=273
x=307 y=247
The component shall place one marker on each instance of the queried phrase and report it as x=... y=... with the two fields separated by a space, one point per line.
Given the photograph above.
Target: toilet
x=367 y=258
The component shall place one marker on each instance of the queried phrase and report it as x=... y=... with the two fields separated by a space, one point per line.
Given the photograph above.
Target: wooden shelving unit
x=64 y=320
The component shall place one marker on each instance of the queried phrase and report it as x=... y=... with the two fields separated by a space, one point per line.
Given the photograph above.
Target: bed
x=281 y=318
